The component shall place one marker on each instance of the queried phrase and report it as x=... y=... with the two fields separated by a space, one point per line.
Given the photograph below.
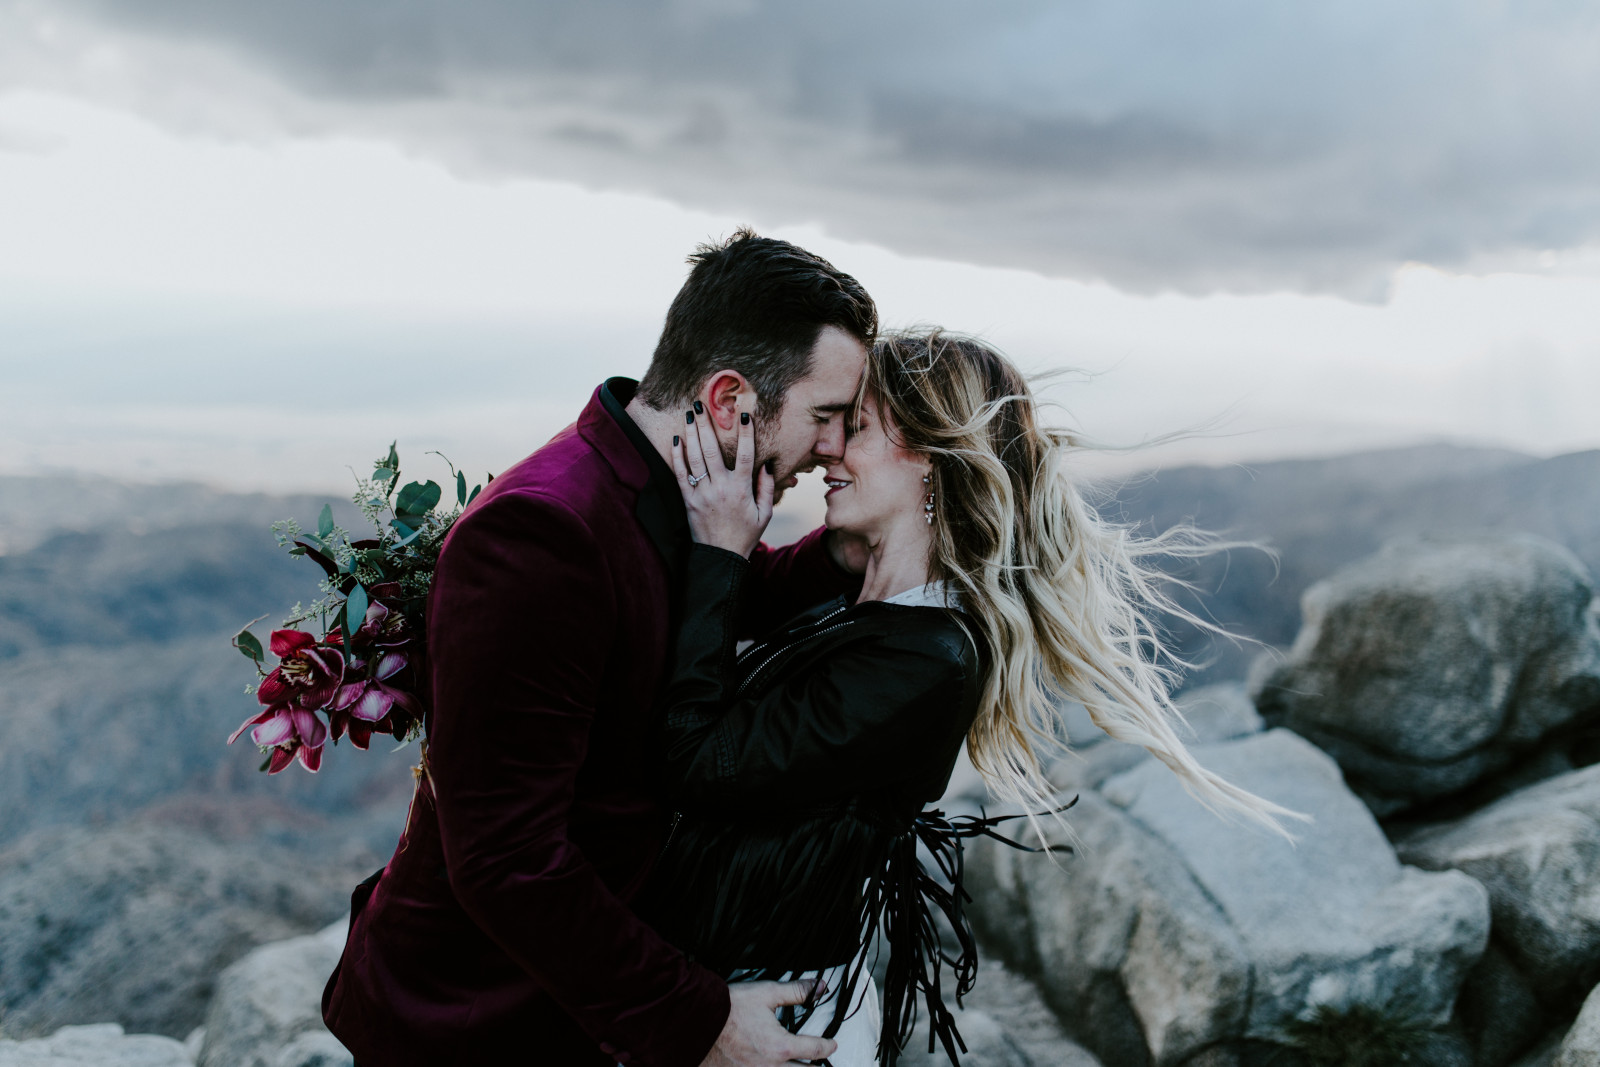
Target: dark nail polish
x=688 y=416
x=698 y=408
x=744 y=418
x=674 y=440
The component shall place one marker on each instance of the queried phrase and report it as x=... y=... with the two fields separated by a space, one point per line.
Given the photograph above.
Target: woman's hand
x=727 y=509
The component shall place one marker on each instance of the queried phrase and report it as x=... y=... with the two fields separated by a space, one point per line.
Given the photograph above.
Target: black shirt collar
x=660 y=506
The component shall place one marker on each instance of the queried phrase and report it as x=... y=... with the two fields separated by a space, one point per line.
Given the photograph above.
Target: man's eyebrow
x=832 y=409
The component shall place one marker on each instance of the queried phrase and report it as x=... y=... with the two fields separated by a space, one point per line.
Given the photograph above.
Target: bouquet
x=360 y=667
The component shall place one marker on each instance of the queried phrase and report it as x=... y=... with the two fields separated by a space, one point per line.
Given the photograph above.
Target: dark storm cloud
x=1198 y=145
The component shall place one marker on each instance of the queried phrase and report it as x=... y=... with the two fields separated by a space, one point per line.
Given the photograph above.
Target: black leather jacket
x=799 y=771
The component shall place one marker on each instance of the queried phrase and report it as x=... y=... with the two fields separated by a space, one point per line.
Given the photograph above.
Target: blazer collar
x=606 y=426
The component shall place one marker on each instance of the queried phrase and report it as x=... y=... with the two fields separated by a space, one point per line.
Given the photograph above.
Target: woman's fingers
x=766 y=489
x=706 y=438
x=680 y=466
x=698 y=468
x=744 y=464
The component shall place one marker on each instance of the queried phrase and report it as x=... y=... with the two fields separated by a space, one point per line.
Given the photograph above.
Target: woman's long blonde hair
x=1065 y=602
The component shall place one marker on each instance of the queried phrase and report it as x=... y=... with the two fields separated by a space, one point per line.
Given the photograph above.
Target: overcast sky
x=242 y=240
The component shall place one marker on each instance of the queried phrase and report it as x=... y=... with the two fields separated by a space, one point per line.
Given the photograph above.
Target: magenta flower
x=382 y=628
x=291 y=732
x=307 y=674
x=363 y=706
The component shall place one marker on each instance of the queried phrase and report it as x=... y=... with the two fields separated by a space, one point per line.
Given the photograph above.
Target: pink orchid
x=363 y=706
x=307 y=674
x=291 y=732
x=381 y=628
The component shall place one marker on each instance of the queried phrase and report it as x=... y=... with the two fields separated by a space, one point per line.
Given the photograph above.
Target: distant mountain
x=34 y=508
x=139 y=854
x=1320 y=514
x=117 y=685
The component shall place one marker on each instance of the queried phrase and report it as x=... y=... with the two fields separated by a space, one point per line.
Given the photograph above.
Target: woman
x=800 y=769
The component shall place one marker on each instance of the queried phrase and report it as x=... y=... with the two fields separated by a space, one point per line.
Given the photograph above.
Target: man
x=500 y=931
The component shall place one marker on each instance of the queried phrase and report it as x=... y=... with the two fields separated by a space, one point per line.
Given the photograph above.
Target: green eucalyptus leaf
x=325 y=521
x=355 y=606
x=418 y=498
x=461 y=488
x=265 y=764
x=474 y=494
x=297 y=551
x=402 y=529
x=383 y=474
x=393 y=462
x=250 y=645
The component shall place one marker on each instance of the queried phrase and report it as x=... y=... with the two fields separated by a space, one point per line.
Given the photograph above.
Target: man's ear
x=727 y=393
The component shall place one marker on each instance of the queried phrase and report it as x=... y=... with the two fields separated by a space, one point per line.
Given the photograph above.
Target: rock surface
x=1499 y=1012
x=267 y=1011
x=1172 y=932
x=1221 y=712
x=133 y=924
x=1429 y=666
x=1005 y=1023
x=97 y=1045
x=1581 y=1046
x=268 y=1007
x=1538 y=853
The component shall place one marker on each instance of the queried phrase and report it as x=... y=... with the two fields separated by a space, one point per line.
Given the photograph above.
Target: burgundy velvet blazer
x=501 y=931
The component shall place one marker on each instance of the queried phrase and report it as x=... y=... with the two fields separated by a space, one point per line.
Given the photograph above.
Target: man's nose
x=830 y=442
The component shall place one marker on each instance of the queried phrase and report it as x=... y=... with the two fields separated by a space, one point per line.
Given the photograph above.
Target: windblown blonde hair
x=1065 y=602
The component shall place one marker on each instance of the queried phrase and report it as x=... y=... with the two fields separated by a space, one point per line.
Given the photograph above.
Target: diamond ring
x=696 y=479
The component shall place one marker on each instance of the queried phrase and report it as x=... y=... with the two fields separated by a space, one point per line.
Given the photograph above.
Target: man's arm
x=521 y=619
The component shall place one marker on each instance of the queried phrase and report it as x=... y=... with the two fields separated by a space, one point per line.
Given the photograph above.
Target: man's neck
x=658 y=426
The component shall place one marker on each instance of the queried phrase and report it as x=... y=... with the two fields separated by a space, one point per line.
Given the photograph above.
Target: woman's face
x=877 y=484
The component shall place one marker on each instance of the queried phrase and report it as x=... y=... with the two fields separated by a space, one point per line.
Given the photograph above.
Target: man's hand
x=849 y=551
x=752 y=1037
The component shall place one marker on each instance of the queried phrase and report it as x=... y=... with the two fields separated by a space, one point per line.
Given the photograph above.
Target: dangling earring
x=927 y=505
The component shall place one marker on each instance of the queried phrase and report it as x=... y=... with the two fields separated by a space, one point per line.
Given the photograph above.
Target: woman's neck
x=897 y=560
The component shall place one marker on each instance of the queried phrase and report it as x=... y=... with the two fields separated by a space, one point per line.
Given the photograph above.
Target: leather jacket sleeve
x=786 y=580
x=859 y=719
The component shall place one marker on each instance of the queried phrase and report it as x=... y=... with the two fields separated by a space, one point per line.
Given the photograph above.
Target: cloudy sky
x=253 y=242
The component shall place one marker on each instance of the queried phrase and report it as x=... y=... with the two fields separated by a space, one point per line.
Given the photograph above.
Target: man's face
x=809 y=430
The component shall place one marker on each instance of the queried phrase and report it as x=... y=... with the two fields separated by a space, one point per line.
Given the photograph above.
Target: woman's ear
x=728 y=393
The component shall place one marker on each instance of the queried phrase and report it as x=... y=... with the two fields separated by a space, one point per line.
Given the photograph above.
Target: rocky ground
x=1443 y=907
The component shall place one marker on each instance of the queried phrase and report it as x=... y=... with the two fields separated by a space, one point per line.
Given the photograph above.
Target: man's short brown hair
x=754 y=305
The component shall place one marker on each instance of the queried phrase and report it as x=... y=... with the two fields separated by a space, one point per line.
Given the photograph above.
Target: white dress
x=858 y=1034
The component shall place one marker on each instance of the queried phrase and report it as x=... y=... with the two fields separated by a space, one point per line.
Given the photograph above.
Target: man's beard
x=764 y=461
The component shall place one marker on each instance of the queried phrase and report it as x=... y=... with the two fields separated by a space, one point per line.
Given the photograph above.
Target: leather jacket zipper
x=789 y=647
x=672 y=831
